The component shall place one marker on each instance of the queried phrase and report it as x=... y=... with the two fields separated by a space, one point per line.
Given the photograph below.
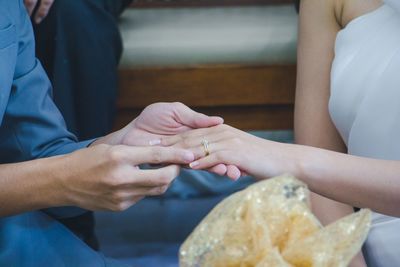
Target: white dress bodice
x=365 y=107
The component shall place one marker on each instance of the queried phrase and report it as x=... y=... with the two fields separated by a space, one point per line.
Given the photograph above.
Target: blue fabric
x=32 y=127
x=194 y=184
x=35 y=239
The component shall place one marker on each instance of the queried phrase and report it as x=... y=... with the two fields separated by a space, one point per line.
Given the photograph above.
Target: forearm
x=357 y=181
x=28 y=186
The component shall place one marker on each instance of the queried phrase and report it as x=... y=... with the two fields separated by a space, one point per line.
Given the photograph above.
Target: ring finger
x=194 y=134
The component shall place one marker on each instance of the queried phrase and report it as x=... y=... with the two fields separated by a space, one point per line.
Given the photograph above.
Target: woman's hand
x=232 y=147
x=107 y=177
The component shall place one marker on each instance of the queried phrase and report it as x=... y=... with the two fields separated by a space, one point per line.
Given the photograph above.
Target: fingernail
x=220 y=118
x=188 y=156
x=193 y=164
x=38 y=20
x=155 y=142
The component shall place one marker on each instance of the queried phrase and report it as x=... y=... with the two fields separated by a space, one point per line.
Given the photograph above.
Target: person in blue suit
x=46 y=174
x=81 y=64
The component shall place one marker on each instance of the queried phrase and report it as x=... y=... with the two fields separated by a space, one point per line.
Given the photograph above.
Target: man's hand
x=101 y=177
x=42 y=10
x=105 y=177
x=157 y=121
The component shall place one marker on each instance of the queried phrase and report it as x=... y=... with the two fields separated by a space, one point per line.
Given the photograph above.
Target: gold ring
x=206 y=146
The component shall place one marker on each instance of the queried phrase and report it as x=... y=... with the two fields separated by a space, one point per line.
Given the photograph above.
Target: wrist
x=281 y=158
x=65 y=171
x=46 y=191
x=294 y=160
x=310 y=165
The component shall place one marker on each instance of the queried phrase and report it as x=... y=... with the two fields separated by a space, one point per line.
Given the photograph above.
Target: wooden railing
x=248 y=97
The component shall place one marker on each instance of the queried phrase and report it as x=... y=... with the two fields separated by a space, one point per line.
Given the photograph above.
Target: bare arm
x=317 y=33
x=27 y=186
x=358 y=181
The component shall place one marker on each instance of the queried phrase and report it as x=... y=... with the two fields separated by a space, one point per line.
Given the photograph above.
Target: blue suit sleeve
x=32 y=126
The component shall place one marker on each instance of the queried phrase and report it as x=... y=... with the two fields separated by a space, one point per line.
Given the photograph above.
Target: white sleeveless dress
x=365 y=107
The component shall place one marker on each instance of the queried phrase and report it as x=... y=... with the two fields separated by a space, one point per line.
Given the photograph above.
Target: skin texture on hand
x=165 y=119
x=232 y=147
x=101 y=177
x=43 y=9
x=105 y=177
x=157 y=121
x=161 y=120
x=345 y=178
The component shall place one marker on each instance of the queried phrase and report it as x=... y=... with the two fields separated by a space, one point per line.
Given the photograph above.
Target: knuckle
x=156 y=155
x=114 y=179
x=186 y=142
x=118 y=197
x=219 y=156
x=116 y=155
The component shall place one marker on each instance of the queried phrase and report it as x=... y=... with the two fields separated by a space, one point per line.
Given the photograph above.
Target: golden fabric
x=270 y=224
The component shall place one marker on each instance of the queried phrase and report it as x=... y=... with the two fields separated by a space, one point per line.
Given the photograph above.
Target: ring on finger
x=206 y=146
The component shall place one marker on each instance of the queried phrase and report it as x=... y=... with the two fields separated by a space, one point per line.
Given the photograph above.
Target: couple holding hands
x=346 y=128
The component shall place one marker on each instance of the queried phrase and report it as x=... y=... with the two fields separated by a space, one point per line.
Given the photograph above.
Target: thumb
x=194 y=120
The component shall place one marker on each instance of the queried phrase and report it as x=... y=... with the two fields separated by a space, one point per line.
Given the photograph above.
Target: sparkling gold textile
x=270 y=224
